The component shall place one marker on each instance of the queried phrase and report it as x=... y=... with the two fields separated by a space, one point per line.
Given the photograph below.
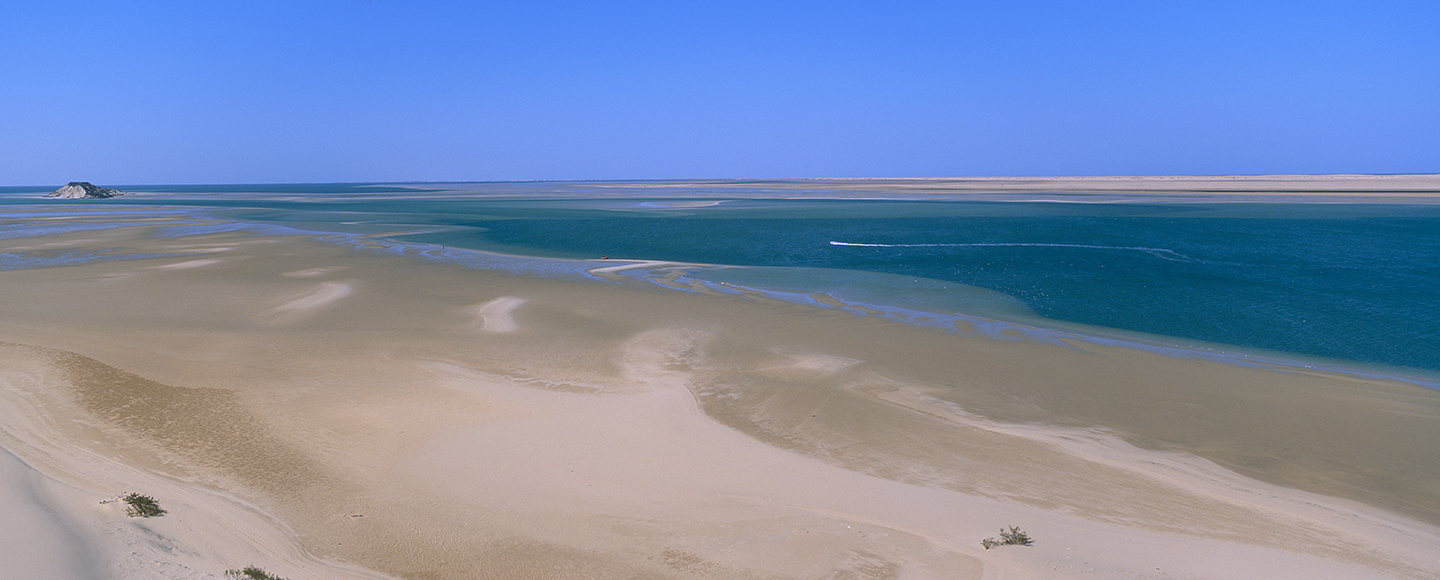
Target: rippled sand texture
x=324 y=412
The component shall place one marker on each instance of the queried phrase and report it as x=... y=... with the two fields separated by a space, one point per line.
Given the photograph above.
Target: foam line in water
x=1157 y=252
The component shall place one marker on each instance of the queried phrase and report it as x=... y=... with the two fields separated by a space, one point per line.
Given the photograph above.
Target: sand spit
x=612 y=273
x=627 y=431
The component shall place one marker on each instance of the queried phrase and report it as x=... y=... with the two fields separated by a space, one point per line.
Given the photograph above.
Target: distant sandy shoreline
x=323 y=412
x=1364 y=186
x=1398 y=188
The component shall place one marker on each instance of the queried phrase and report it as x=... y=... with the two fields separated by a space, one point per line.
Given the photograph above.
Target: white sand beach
x=321 y=412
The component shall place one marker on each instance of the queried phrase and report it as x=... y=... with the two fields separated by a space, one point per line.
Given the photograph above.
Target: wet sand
x=323 y=412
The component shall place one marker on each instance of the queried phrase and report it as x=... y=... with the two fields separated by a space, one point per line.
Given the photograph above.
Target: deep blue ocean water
x=1353 y=282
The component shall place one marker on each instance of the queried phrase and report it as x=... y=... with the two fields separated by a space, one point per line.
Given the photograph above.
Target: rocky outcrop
x=84 y=190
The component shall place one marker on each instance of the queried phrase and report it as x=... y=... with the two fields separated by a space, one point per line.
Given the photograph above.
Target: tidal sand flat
x=339 y=405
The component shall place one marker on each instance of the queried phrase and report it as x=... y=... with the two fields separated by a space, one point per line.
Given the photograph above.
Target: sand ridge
x=495 y=315
x=188 y=264
x=319 y=296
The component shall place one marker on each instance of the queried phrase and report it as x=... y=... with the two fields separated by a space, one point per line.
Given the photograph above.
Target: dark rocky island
x=84 y=190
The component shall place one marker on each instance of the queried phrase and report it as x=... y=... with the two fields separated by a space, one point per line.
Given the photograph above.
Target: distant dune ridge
x=84 y=190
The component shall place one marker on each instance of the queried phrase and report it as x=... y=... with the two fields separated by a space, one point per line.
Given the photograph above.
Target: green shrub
x=251 y=573
x=1014 y=537
x=141 y=506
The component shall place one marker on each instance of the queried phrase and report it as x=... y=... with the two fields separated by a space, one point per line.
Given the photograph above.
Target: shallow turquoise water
x=1350 y=282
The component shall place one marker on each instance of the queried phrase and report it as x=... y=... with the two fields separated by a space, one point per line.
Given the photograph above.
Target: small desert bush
x=141 y=506
x=251 y=573
x=1014 y=537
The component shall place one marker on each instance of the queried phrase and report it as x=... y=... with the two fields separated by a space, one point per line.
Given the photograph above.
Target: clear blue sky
x=380 y=90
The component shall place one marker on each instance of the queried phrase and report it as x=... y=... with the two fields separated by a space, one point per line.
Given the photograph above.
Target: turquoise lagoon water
x=1339 y=284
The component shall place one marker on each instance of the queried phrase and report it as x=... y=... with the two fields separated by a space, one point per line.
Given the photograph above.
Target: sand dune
x=64 y=518
x=38 y=541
